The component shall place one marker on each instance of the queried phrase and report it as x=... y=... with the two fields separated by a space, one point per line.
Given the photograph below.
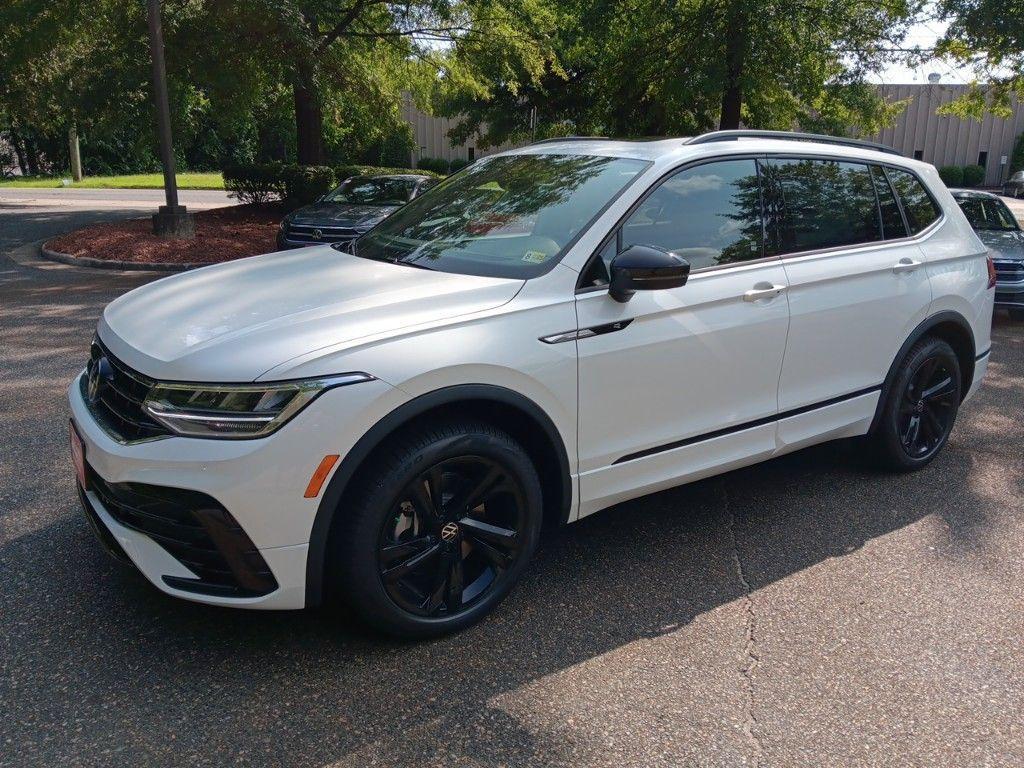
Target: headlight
x=236 y=411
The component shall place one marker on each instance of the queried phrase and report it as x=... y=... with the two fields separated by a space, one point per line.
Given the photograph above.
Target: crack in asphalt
x=751 y=659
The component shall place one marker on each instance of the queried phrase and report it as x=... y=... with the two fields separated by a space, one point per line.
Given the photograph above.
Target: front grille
x=1009 y=271
x=117 y=401
x=306 y=233
x=195 y=530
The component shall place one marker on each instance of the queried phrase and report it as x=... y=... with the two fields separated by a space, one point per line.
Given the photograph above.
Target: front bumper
x=1009 y=284
x=260 y=482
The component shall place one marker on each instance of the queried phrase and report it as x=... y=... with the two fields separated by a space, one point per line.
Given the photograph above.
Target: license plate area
x=77 y=454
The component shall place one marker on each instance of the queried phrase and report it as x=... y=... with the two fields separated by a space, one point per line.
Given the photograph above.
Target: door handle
x=905 y=265
x=763 y=291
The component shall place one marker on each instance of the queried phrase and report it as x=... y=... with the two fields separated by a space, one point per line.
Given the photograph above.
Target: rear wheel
x=441 y=531
x=920 y=408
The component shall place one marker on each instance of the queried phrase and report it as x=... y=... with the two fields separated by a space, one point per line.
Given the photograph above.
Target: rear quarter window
x=918 y=206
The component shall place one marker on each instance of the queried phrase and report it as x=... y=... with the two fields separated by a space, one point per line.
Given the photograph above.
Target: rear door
x=857 y=288
x=679 y=383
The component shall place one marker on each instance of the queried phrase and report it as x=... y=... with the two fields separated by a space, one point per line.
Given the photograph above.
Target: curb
x=124 y=266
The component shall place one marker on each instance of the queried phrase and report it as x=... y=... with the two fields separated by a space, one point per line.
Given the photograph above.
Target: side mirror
x=645 y=268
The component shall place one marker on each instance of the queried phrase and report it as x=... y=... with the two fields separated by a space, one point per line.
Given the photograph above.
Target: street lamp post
x=171 y=220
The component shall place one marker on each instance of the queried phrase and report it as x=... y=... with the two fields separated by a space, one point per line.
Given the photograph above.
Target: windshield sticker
x=535 y=257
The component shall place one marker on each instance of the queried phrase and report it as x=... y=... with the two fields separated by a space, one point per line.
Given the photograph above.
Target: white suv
x=549 y=332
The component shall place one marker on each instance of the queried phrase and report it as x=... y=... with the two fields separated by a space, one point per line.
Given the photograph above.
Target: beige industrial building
x=918 y=132
x=939 y=140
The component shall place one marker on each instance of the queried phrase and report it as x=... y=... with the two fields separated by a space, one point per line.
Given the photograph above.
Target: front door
x=677 y=384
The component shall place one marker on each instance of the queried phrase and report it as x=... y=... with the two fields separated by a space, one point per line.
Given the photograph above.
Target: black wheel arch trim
x=933 y=321
x=330 y=501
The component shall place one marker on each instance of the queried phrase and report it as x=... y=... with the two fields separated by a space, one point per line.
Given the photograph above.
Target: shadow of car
x=357 y=205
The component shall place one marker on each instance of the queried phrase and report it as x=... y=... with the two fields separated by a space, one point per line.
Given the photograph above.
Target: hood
x=360 y=217
x=1008 y=246
x=234 y=321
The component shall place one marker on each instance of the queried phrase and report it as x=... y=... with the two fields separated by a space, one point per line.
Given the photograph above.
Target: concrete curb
x=123 y=266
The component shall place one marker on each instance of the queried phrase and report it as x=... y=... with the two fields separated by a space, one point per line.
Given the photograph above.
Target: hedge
x=973 y=175
x=296 y=185
x=435 y=164
x=952 y=175
x=1017 y=158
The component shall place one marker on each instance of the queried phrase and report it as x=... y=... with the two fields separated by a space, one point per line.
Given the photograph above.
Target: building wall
x=950 y=140
x=431 y=136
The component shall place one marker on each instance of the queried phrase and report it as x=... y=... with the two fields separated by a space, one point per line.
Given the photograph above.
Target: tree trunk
x=309 y=118
x=31 y=157
x=735 y=55
x=19 y=152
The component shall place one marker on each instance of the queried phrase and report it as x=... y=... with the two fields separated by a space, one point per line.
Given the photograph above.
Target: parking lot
x=807 y=611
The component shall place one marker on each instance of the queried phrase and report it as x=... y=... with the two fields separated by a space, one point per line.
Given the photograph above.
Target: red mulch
x=222 y=234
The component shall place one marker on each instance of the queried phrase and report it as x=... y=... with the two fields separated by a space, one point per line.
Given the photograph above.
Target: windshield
x=373 y=190
x=985 y=214
x=509 y=216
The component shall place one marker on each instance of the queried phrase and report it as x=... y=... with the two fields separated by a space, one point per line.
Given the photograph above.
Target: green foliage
x=973 y=175
x=303 y=184
x=435 y=164
x=952 y=175
x=988 y=36
x=1017 y=157
x=646 y=67
x=255 y=183
x=348 y=171
x=457 y=164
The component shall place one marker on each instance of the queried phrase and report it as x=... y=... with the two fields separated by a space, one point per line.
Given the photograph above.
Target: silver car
x=997 y=228
x=1014 y=186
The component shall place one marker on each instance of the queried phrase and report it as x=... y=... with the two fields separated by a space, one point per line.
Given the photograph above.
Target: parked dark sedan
x=351 y=209
x=998 y=229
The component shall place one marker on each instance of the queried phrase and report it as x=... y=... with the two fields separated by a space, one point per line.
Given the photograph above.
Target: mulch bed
x=222 y=234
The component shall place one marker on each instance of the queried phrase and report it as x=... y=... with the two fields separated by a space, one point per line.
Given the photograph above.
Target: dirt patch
x=222 y=234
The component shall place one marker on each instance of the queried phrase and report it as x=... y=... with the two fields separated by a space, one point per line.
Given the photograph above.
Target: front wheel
x=920 y=407
x=441 y=530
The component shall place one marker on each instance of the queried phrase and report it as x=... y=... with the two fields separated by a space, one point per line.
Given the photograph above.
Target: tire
x=1017 y=314
x=925 y=392
x=412 y=568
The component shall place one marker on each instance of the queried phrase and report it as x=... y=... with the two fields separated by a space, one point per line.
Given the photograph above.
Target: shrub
x=435 y=164
x=255 y=183
x=457 y=164
x=973 y=175
x=347 y=171
x=304 y=184
x=952 y=175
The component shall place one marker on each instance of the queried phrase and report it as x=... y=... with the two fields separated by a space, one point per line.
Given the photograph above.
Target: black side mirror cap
x=646 y=268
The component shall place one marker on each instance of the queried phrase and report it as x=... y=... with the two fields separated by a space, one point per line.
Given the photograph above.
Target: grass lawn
x=211 y=180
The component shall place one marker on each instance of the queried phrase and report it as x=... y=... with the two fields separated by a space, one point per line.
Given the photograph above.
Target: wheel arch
x=955 y=330
x=510 y=410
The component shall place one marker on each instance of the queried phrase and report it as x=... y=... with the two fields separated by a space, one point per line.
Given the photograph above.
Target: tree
x=987 y=35
x=643 y=67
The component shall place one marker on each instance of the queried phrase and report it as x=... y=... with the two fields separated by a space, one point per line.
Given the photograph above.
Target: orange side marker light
x=316 y=482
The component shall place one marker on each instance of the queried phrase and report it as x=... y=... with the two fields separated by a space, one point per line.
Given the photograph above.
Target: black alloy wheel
x=453 y=534
x=920 y=406
x=928 y=407
x=443 y=524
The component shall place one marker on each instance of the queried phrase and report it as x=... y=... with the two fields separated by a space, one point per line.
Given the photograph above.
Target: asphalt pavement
x=806 y=611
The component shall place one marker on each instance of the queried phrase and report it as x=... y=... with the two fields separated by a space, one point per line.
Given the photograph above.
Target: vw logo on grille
x=450 y=531
x=317 y=234
x=99 y=375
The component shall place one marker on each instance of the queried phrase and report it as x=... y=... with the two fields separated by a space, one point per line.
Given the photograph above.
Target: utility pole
x=171 y=220
x=75 y=153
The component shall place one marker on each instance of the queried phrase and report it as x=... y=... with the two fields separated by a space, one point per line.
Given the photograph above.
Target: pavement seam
x=751 y=659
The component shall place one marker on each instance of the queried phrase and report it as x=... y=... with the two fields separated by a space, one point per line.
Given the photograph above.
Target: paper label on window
x=535 y=257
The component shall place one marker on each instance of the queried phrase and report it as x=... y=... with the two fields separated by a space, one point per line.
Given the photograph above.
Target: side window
x=709 y=214
x=892 y=220
x=821 y=204
x=918 y=205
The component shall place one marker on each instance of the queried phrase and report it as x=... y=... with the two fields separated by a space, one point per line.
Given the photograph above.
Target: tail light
x=991 y=271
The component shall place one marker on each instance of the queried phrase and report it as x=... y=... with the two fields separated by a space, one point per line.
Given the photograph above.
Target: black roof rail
x=566 y=138
x=713 y=136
